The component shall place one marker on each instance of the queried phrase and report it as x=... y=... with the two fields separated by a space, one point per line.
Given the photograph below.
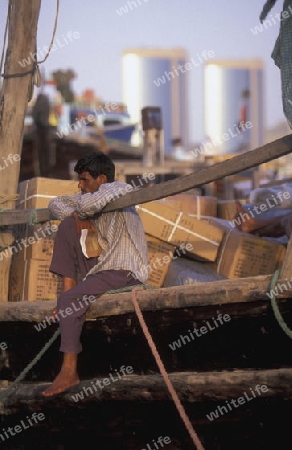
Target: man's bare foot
x=62 y=382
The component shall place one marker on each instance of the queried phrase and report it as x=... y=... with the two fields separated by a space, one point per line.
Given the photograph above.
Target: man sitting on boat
x=122 y=262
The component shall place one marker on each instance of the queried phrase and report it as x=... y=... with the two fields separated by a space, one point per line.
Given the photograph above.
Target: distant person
x=41 y=116
x=123 y=260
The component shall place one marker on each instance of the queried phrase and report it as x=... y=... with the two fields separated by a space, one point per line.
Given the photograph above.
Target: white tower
x=234 y=105
x=152 y=78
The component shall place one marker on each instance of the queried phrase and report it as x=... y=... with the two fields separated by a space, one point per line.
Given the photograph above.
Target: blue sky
x=104 y=30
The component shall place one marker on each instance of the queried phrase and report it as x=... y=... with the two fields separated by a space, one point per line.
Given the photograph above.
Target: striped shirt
x=120 y=233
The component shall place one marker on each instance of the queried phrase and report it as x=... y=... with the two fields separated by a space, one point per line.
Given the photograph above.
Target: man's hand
x=82 y=224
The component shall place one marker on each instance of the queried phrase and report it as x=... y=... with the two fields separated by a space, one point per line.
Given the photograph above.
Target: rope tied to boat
x=164 y=373
x=7 y=198
x=275 y=306
x=33 y=219
x=36 y=79
x=4 y=394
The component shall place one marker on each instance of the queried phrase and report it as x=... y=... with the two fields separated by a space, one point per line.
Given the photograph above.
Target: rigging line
x=4 y=40
x=54 y=33
x=275 y=307
x=164 y=374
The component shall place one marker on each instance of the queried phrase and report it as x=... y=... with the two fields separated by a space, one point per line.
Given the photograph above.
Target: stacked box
x=37 y=241
x=30 y=280
x=226 y=209
x=37 y=192
x=160 y=255
x=197 y=205
x=181 y=230
x=245 y=255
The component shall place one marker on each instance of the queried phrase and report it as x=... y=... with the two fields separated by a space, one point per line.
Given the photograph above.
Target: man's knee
x=64 y=300
x=67 y=229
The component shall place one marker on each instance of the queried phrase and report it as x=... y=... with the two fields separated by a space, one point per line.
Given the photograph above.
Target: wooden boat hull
x=207 y=371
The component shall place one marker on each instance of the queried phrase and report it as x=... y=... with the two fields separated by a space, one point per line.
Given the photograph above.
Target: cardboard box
x=244 y=255
x=38 y=191
x=222 y=224
x=226 y=209
x=181 y=230
x=90 y=244
x=160 y=255
x=30 y=280
x=36 y=241
x=197 y=205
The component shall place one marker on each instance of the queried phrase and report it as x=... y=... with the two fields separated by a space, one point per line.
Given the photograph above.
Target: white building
x=234 y=105
x=156 y=77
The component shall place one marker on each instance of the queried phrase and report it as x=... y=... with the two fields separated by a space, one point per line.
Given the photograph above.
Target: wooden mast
x=17 y=80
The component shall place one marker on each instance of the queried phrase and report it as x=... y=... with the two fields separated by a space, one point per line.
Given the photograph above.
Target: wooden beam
x=190 y=386
x=237 y=164
x=270 y=151
x=18 y=216
x=14 y=97
x=225 y=292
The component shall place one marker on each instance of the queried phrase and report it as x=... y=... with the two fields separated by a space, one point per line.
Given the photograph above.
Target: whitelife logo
x=130 y=6
x=208 y=147
x=258 y=209
x=41 y=53
x=24 y=425
x=183 y=68
x=9 y=160
x=24 y=243
x=235 y=403
x=268 y=23
x=102 y=383
x=184 y=339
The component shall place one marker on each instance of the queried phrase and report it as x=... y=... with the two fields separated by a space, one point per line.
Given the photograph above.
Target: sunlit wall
x=151 y=77
x=234 y=105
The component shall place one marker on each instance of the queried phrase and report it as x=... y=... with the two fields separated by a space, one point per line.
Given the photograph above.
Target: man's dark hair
x=96 y=163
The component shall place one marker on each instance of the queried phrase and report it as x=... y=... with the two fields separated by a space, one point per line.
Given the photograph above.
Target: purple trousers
x=68 y=261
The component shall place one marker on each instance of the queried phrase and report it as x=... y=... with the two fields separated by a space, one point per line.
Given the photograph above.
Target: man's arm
x=92 y=203
x=63 y=206
x=66 y=206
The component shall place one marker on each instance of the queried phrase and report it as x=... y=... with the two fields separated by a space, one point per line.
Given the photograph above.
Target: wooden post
x=152 y=155
x=14 y=96
x=286 y=269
